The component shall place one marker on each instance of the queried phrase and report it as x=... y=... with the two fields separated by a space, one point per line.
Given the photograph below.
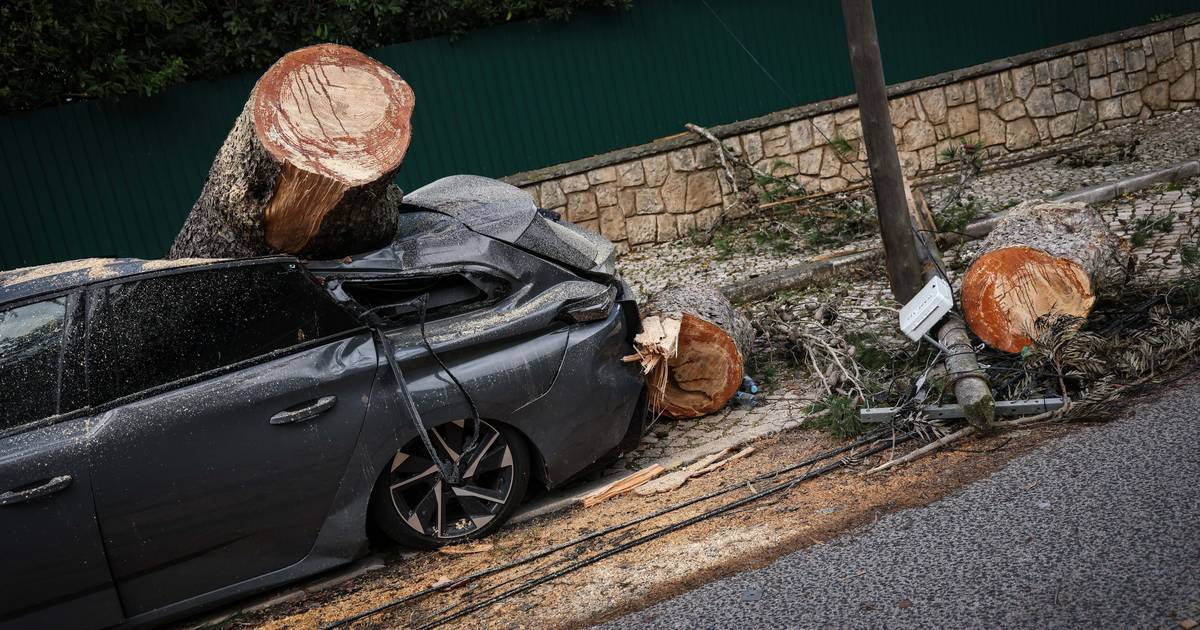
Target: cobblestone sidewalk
x=1160 y=222
x=1164 y=141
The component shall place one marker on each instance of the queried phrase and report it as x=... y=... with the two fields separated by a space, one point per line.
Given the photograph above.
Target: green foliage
x=66 y=50
x=868 y=353
x=853 y=219
x=1189 y=255
x=967 y=154
x=845 y=149
x=841 y=419
x=722 y=243
x=958 y=216
x=1145 y=227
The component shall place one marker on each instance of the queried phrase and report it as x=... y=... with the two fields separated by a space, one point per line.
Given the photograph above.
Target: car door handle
x=28 y=494
x=308 y=412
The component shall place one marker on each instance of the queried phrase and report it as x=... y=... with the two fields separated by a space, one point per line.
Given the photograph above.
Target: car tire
x=414 y=507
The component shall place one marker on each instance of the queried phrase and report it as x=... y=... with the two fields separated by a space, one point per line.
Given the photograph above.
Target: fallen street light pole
x=1006 y=408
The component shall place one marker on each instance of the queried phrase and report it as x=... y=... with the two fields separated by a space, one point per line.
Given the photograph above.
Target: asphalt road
x=1100 y=528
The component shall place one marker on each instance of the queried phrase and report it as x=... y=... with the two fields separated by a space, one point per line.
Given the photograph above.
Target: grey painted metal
x=201 y=499
x=1023 y=407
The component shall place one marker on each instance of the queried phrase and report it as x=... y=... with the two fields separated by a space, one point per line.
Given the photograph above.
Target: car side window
x=31 y=340
x=146 y=333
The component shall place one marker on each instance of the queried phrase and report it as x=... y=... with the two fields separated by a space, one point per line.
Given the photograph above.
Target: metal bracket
x=938 y=412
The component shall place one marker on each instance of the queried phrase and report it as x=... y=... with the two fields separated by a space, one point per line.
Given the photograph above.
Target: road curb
x=1111 y=190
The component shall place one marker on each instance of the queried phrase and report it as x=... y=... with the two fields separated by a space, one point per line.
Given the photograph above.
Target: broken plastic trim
x=591 y=309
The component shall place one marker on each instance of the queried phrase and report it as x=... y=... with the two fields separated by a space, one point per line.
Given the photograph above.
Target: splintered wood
x=654 y=347
x=622 y=485
x=692 y=348
x=676 y=479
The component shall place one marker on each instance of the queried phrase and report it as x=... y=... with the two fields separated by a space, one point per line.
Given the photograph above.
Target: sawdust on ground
x=93 y=269
x=747 y=537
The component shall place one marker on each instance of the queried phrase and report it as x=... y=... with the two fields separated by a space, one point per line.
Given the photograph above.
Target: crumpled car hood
x=507 y=213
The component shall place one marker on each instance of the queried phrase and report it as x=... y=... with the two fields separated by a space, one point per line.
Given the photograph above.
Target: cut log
x=308 y=166
x=1040 y=259
x=707 y=365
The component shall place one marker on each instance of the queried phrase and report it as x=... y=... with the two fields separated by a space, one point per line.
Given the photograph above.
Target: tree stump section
x=1040 y=259
x=693 y=348
x=308 y=166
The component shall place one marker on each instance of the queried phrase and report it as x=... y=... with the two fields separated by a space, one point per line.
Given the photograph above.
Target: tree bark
x=1040 y=259
x=308 y=166
x=714 y=341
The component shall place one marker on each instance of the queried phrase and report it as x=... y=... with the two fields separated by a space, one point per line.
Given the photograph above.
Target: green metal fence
x=117 y=178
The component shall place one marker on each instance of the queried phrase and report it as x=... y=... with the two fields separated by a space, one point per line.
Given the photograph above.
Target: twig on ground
x=924 y=450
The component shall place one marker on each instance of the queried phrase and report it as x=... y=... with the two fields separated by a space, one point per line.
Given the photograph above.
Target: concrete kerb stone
x=1111 y=190
x=326 y=581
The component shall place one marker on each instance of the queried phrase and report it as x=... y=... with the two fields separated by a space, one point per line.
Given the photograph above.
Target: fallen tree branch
x=924 y=450
x=723 y=153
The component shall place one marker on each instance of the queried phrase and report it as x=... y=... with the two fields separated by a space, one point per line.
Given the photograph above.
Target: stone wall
x=660 y=191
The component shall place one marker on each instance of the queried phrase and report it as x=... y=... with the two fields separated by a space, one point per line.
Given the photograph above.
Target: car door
x=232 y=398
x=53 y=572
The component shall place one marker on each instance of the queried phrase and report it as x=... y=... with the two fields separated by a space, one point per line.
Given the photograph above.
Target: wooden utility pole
x=911 y=258
x=903 y=266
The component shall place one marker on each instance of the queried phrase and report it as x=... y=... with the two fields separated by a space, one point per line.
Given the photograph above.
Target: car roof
x=27 y=282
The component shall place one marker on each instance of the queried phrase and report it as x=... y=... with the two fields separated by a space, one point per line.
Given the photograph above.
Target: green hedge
x=55 y=51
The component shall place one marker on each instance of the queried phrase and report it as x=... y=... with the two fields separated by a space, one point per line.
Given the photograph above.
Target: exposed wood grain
x=1040 y=259
x=308 y=166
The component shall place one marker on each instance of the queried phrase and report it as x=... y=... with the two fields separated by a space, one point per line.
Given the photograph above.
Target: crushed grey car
x=177 y=434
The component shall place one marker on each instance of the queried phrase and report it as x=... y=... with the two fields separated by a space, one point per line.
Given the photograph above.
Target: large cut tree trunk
x=1041 y=259
x=693 y=347
x=308 y=166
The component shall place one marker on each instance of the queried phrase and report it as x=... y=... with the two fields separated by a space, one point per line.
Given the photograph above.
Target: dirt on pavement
x=749 y=536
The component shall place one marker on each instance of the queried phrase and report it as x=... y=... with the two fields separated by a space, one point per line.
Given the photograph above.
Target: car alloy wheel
x=430 y=511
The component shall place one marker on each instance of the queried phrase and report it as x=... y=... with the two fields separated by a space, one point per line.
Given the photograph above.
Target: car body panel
x=196 y=488
x=54 y=571
x=169 y=467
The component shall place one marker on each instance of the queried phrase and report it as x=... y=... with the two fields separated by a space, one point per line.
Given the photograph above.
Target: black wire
x=470 y=448
x=447 y=470
x=871 y=437
x=786 y=485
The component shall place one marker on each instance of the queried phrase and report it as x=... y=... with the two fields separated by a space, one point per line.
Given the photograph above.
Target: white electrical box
x=927 y=308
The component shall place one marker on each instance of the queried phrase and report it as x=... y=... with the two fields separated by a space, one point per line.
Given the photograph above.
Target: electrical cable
x=470 y=448
x=788 y=97
x=449 y=471
x=871 y=437
x=575 y=566
x=446 y=469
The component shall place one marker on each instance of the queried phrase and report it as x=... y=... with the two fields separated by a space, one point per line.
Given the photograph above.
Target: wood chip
x=622 y=485
x=462 y=550
x=704 y=466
